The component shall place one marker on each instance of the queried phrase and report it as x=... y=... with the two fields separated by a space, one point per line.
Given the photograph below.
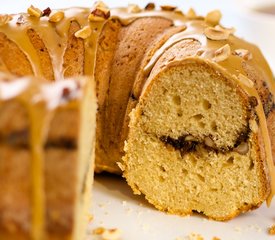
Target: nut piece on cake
x=56 y=17
x=100 y=12
x=35 y=12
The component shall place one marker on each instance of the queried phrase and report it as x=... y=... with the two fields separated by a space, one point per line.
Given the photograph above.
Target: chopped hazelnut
x=191 y=14
x=150 y=6
x=56 y=17
x=35 y=12
x=4 y=19
x=99 y=231
x=213 y=18
x=84 y=32
x=133 y=8
x=222 y=53
x=253 y=126
x=209 y=142
x=242 y=148
x=46 y=12
x=168 y=8
x=245 y=80
x=99 y=14
x=243 y=53
x=216 y=34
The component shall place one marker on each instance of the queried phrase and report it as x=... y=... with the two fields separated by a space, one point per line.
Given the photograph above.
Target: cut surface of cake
x=195 y=144
x=47 y=152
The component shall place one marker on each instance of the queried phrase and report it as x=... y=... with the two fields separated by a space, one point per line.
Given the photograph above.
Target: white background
x=114 y=204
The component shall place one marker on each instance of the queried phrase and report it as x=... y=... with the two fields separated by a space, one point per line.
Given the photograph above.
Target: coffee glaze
x=55 y=36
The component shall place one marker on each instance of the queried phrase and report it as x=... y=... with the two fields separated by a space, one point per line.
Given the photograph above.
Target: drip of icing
x=18 y=34
x=188 y=33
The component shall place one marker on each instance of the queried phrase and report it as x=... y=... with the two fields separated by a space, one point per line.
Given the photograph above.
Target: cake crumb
x=90 y=218
x=237 y=229
x=129 y=211
x=216 y=238
x=111 y=234
x=101 y=205
x=271 y=230
x=99 y=231
x=195 y=236
x=107 y=234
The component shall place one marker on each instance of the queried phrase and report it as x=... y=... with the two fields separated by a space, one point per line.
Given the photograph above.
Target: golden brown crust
x=43 y=54
x=133 y=41
x=107 y=44
x=74 y=55
x=13 y=58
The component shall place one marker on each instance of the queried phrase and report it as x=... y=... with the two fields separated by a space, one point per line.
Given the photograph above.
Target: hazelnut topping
x=222 y=53
x=35 y=12
x=46 y=12
x=99 y=13
x=213 y=18
x=83 y=33
x=167 y=8
x=4 y=19
x=216 y=33
x=245 y=80
x=242 y=148
x=56 y=17
x=243 y=53
x=150 y=6
x=191 y=14
x=133 y=8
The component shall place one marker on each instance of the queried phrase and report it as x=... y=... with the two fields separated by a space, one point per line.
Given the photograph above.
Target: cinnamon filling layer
x=188 y=143
x=16 y=138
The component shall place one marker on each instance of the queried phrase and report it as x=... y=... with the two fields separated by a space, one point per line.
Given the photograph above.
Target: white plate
x=115 y=206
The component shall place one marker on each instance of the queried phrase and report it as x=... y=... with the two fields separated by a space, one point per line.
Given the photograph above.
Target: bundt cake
x=201 y=100
x=47 y=133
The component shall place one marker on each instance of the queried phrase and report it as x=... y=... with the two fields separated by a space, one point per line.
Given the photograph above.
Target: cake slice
x=46 y=157
x=198 y=140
